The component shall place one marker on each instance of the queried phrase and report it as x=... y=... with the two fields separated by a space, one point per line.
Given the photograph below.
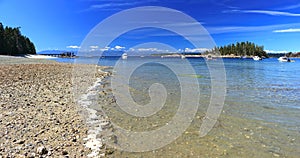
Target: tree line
x=293 y=55
x=12 y=42
x=241 y=49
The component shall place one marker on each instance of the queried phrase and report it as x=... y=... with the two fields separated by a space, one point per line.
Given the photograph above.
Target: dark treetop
x=12 y=42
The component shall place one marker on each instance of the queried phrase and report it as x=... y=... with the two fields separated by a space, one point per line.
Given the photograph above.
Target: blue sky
x=62 y=24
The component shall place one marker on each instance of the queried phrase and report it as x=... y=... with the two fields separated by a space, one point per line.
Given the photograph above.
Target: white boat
x=284 y=59
x=124 y=56
x=256 y=58
x=182 y=57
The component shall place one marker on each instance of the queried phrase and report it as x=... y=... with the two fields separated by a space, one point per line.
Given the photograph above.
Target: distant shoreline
x=8 y=60
x=205 y=56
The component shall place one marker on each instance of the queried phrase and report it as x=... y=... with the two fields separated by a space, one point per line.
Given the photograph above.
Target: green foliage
x=293 y=55
x=241 y=49
x=12 y=42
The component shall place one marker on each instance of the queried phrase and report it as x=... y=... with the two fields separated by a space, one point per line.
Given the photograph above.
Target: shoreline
x=12 y=60
x=95 y=120
x=38 y=115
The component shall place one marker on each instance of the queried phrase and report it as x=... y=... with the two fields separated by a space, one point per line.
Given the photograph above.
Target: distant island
x=58 y=53
x=12 y=42
x=290 y=55
x=242 y=49
x=293 y=55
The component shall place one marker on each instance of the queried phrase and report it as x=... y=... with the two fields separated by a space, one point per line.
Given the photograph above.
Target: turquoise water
x=260 y=113
x=265 y=90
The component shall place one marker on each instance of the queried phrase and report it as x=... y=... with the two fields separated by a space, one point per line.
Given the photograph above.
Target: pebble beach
x=38 y=114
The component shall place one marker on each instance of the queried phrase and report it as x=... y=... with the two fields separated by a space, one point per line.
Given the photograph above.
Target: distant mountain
x=105 y=53
x=112 y=53
x=52 y=52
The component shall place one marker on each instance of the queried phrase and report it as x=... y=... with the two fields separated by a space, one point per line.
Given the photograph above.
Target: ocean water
x=260 y=117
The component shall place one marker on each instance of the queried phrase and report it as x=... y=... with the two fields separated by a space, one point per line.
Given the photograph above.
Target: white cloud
x=276 y=51
x=267 y=12
x=131 y=50
x=146 y=50
x=108 y=5
x=73 y=47
x=119 y=47
x=94 y=47
x=97 y=48
x=290 y=7
x=150 y=50
x=287 y=30
x=157 y=50
x=117 y=4
x=184 y=24
x=104 y=49
x=196 y=50
x=230 y=29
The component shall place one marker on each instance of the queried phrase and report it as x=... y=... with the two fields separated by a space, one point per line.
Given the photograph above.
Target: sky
x=64 y=24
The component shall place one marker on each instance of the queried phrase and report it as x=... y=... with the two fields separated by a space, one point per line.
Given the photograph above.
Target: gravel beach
x=38 y=115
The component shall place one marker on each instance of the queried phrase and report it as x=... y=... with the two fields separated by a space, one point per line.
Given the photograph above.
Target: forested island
x=240 y=49
x=12 y=42
x=293 y=55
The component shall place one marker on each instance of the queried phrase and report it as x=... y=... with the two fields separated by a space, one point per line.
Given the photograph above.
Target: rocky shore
x=38 y=114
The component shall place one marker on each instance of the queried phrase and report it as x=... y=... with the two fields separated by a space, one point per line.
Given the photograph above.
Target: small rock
x=20 y=142
x=109 y=151
x=32 y=155
x=41 y=150
x=64 y=152
x=74 y=139
x=49 y=153
x=276 y=155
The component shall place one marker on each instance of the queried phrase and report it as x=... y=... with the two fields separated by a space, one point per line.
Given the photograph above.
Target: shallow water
x=260 y=117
